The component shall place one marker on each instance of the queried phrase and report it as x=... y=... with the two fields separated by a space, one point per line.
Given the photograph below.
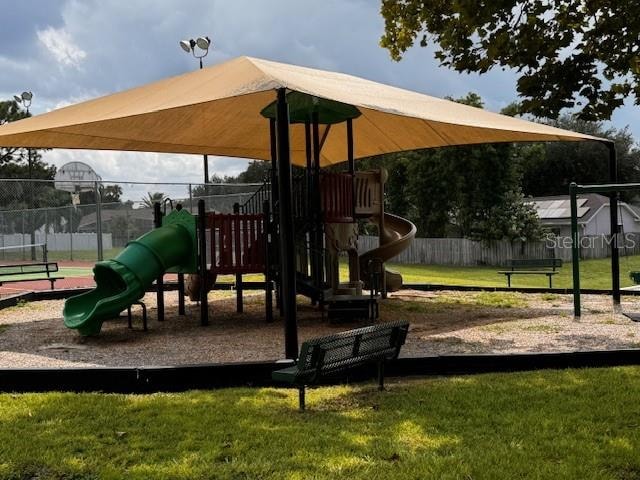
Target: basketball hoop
x=76 y=177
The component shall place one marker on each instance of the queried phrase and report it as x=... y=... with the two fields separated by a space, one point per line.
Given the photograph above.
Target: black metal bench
x=36 y=268
x=538 y=266
x=325 y=357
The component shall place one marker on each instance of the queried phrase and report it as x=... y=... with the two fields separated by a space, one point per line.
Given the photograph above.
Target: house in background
x=593 y=215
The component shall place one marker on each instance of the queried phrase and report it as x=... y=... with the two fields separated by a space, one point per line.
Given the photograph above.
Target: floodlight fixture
x=24 y=99
x=203 y=43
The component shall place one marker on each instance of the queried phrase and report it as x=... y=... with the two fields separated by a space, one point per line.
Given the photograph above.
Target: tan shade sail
x=217 y=111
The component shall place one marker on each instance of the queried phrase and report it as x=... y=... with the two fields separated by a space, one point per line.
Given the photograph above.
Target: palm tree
x=152 y=198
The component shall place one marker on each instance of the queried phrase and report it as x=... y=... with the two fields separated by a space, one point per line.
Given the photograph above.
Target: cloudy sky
x=66 y=51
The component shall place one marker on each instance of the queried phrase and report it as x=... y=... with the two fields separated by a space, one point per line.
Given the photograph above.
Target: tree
x=257 y=172
x=10 y=111
x=568 y=54
x=108 y=194
x=152 y=198
x=469 y=191
x=548 y=169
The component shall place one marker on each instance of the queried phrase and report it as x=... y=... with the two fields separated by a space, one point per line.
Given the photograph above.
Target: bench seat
x=36 y=268
x=286 y=375
x=325 y=357
x=541 y=266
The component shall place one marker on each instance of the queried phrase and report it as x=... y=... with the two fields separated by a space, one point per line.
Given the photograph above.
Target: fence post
x=71 y=232
x=46 y=226
x=32 y=216
x=99 y=220
x=22 y=235
x=190 y=200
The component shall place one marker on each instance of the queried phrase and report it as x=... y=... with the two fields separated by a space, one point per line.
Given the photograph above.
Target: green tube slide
x=124 y=279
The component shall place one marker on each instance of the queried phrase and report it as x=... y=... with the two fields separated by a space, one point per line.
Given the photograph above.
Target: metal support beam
x=352 y=165
x=98 y=221
x=275 y=203
x=202 y=267
x=316 y=204
x=575 y=249
x=310 y=193
x=239 y=293
x=613 y=217
x=268 y=277
x=157 y=223
x=287 y=234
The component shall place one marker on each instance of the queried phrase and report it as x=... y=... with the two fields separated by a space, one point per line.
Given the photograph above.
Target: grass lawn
x=83 y=255
x=552 y=424
x=593 y=274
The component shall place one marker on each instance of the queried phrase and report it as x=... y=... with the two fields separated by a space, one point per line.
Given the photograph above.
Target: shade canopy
x=220 y=110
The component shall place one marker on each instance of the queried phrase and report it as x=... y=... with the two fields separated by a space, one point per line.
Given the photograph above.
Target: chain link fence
x=99 y=220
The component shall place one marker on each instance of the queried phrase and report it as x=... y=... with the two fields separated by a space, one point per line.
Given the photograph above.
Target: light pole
x=25 y=100
x=189 y=46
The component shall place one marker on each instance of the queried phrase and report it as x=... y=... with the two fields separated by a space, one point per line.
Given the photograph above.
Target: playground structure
x=327 y=208
x=230 y=118
x=613 y=189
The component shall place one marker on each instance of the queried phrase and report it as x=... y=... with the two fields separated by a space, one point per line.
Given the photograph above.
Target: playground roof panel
x=216 y=111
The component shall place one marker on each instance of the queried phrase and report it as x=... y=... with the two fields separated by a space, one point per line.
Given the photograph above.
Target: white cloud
x=61 y=46
x=171 y=172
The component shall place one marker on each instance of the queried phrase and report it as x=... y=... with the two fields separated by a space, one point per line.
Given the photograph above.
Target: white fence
x=59 y=242
x=463 y=252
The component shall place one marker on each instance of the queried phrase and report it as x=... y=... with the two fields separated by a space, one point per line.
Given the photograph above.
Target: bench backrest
x=28 y=268
x=325 y=355
x=535 y=263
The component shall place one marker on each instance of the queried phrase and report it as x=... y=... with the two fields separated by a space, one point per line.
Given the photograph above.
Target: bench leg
x=181 y=294
x=550 y=281
x=381 y=375
x=301 y=398
x=508 y=281
x=53 y=286
x=144 y=316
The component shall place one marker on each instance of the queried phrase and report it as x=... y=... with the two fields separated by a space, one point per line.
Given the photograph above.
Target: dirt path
x=33 y=335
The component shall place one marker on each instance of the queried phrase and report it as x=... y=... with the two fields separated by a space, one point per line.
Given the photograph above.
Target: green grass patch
x=442 y=303
x=541 y=328
x=593 y=274
x=550 y=297
x=548 y=424
x=501 y=300
x=83 y=255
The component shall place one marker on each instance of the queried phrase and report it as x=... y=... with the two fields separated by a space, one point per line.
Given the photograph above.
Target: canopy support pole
x=613 y=217
x=352 y=166
x=274 y=211
x=575 y=249
x=287 y=234
x=316 y=205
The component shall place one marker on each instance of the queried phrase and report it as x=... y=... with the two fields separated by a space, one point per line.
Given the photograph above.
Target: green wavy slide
x=123 y=280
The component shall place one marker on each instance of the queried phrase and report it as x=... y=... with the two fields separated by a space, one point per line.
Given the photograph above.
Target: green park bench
x=536 y=266
x=33 y=271
x=326 y=357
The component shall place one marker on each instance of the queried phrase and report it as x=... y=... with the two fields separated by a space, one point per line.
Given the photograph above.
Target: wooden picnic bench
x=536 y=266
x=36 y=268
x=325 y=357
